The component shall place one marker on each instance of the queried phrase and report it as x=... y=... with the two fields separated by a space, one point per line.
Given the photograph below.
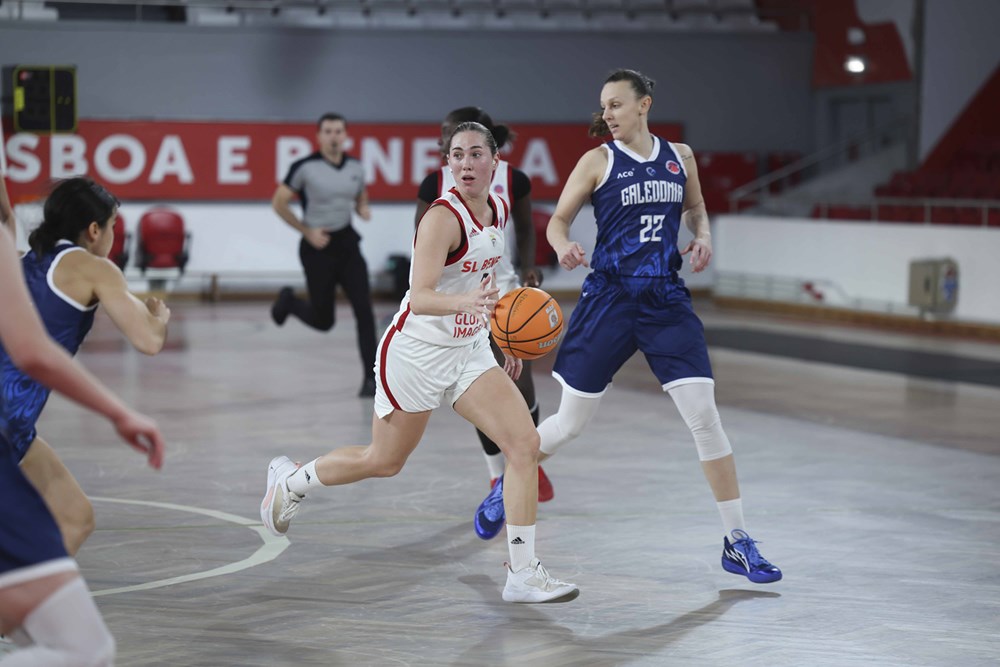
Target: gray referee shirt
x=328 y=192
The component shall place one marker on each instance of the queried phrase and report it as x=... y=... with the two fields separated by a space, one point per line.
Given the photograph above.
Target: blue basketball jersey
x=638 y=209
x=21 y=397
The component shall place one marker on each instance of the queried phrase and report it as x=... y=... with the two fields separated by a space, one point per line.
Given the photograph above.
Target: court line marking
x=271 y=549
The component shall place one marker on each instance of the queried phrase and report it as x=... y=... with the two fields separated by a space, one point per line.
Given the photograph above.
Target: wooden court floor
x=875 y=492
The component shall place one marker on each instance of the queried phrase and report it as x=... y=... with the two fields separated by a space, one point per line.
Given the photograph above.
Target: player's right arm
x=30 y=348
x=143 y=323
x=579 y=186
x=281 y=202
x=439 y=235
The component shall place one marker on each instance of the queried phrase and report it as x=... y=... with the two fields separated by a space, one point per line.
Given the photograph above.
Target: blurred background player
x=330 y=185
x=68 y=274
x=642 y=188
x=437 y=352
x=45 y=606
x=516 y=269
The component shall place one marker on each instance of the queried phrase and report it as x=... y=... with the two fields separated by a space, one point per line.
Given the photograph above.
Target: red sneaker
x=545 y=492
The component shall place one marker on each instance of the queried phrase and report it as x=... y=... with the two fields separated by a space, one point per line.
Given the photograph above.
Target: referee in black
x=330 y=185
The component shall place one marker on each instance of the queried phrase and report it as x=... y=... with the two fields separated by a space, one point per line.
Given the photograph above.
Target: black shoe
x=367 y=388
x=282 y=305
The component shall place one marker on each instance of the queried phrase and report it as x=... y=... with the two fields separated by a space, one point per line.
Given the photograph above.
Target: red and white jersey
x=479 y=254
x=507 y=278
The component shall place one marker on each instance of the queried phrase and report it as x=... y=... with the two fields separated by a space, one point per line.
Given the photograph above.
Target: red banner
x=212 y=161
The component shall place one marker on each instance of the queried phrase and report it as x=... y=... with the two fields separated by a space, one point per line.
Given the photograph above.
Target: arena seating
x=163 y=242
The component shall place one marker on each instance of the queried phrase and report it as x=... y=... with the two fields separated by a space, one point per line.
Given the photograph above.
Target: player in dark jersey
x=518 y=269
x=68 y=274
x=642 y=188
x=331 y=186
x=45 y=606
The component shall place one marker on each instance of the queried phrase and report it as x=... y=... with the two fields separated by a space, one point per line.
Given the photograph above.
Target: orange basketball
x=527 y=323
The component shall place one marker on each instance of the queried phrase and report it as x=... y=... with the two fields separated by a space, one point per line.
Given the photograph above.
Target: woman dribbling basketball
x=437 y=351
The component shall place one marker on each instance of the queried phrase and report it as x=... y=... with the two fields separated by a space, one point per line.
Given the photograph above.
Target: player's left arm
x=524 y=232
x=695 y=215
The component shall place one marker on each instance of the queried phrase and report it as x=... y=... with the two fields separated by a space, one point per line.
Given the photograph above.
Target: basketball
x=527 y=323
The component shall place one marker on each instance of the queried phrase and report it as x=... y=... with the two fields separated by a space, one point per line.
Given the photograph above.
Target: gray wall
x=731 y=91
x=961 y=50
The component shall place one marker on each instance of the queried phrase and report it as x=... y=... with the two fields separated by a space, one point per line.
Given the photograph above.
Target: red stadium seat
x=162 y=242
x=119 y=247
x=721 y=173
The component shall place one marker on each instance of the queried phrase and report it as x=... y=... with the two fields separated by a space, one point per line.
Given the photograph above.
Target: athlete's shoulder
x=683 y=150
x=89 y=267
x=597 y=155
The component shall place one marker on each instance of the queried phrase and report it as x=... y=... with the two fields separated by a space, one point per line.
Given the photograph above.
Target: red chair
x=119 y=247
x=163 y=243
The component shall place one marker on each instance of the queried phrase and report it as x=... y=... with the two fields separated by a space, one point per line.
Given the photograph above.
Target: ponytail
x=70 y=208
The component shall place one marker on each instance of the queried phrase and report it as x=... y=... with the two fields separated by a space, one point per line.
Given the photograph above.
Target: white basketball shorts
x=414 y=376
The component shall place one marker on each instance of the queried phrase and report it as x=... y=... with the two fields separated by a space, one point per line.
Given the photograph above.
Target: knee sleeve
x=696 y=403
x=68 y=631
x=575 y=412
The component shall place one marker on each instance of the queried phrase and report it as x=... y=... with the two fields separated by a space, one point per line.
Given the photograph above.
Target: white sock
x=304 y=478
x=521 y=542
x=67 y=630
x=495 y=462
x=731 y=512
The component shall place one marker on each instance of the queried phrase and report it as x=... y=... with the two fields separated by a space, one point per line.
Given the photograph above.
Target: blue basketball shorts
x=31 y=545
x=618 y=315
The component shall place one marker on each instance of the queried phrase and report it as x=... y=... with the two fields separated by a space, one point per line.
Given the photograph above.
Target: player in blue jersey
x=45 y=606
x=68 y=275
x=642 y=187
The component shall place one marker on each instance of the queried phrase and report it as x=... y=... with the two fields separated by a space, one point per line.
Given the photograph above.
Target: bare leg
x=393 y=440
x=494 y=405
x=62 y=494
x=721 y=476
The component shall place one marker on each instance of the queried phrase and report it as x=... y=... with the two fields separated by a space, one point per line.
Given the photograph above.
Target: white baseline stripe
x=271 y=549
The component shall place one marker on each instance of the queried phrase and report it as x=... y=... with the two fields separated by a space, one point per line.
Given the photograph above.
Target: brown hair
x=641 y=84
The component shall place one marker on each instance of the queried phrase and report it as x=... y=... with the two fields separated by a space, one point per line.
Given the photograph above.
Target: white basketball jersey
x=507 y=278
x=479 y=254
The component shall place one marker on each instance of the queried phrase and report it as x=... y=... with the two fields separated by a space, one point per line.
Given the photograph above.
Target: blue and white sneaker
x=490 y=516
x=741 y=557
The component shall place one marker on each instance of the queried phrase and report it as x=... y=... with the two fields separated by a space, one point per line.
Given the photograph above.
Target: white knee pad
x=68 y=631
x=696 y=403
x=575 y=412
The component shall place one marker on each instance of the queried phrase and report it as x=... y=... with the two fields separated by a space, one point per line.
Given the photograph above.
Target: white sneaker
x=535 y=584
x=280 y=504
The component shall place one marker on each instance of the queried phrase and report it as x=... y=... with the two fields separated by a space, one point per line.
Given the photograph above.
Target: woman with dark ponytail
x=516 y=269
x=45 y=607
x=68 y=274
